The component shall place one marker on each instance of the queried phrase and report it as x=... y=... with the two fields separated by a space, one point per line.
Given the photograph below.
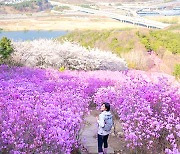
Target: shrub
x=39 y=111
x=5 y=48
x=148 y=107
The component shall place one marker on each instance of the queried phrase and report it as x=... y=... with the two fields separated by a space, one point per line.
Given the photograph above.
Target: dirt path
x=89 y=136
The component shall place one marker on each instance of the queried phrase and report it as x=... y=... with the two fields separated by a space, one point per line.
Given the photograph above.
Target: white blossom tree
x=48 y=53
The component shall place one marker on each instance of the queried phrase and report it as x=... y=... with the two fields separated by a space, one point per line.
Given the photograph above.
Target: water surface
x=31 y=35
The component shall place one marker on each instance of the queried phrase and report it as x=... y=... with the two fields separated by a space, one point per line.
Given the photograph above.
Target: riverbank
x=66 y=23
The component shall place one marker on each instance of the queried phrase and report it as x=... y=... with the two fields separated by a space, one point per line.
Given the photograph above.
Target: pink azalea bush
x=42 y=111
x=149 y=109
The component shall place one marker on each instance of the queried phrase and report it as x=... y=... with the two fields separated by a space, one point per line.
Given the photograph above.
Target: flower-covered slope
x=41 y=111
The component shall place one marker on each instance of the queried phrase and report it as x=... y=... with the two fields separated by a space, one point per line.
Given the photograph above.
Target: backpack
x=108 y=122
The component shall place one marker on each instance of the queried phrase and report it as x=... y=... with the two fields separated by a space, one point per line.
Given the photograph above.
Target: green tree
x=5 y=48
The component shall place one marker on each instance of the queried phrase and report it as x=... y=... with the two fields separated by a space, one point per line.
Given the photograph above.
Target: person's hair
x=107 y=106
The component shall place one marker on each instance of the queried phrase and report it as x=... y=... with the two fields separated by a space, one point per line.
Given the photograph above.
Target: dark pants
x=102 y=139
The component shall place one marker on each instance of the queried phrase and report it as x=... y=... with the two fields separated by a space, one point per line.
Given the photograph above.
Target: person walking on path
x=105 y=123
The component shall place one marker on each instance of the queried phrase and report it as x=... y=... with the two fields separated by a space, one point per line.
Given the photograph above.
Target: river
x=31 y=35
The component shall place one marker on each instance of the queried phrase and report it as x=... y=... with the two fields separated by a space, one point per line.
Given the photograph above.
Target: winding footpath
x=88 y=136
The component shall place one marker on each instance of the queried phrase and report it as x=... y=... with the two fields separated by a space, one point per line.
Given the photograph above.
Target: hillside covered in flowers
x=47 y=89
x=40 y=110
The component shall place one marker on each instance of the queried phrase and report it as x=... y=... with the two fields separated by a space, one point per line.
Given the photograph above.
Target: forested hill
x=26 y=6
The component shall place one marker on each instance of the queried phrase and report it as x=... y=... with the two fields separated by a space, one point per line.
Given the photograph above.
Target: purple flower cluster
x=40 y=111
x=149 y=108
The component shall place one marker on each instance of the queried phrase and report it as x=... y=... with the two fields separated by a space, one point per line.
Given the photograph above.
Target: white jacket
x=101 y=123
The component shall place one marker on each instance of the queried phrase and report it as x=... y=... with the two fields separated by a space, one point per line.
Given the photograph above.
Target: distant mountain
x=15 y=6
